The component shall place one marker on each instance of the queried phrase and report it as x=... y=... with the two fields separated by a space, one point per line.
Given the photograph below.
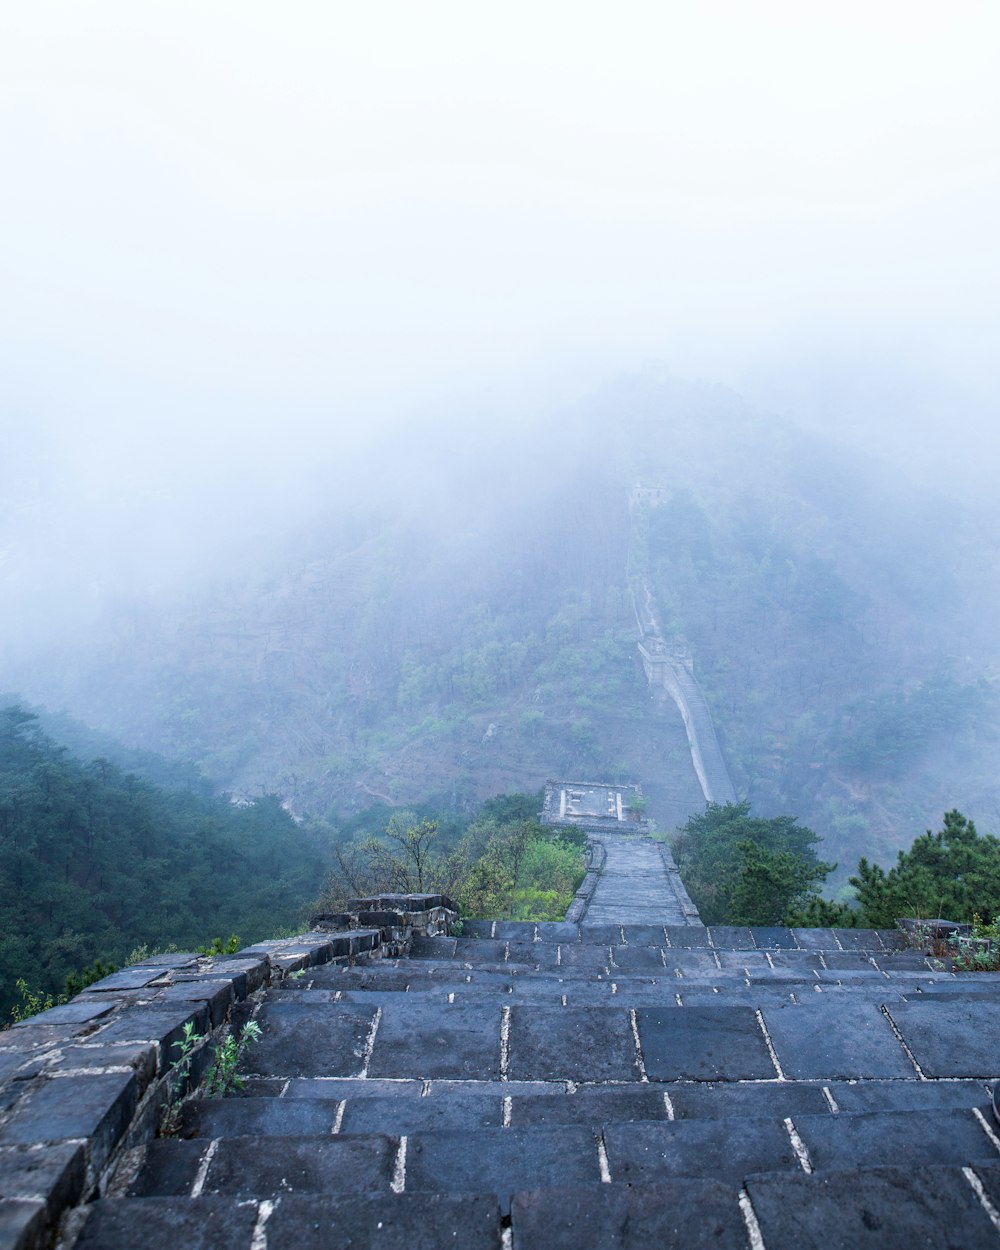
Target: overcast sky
x=225 y=221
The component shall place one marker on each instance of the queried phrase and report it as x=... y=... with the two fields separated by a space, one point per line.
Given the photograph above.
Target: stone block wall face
x=88 y=1080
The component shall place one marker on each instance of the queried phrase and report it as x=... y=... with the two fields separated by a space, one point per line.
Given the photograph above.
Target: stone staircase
x=556 y=1085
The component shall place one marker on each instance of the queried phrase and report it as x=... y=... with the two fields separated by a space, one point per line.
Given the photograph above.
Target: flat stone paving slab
x=303 y=1040
x=859 y=939
x=730 y=937
x=763 y=1100
x=687 y=937
x=515 y=930
x=588 y=958
x=835 y=1039
x=391 y=1222
x=703 y=1044
x=674 y=1215
x=881 y=1209
x=258 y=1117
x=557 y=931
x=952 y=1038
x=501 y=1161
x=693 y=963
x=912 y=1095
x=908 y=1138
x=269 y=1168
x=591 y=1105
x=720 y=1150
x=638 y=958
x=207 y=1223
x=815 y=939
x=610 y=934
x=644 y=934
x=773 y=938
x=572 y=1043
x=427 y=1040
x=458 y=1111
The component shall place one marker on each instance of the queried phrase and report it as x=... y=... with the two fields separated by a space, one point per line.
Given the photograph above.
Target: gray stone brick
x=703 y=1044
x=719 y=1150
x=834 y=1039
x=877 y=1209
x=673 y=1215
x=391 y=1222
x=572 y=1043
x=437 y=1039
x=952 y=1038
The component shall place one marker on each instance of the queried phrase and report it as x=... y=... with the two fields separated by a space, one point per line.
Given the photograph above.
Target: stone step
x=821 y=1037
x=505 y=1160
x=325 y=1105
x=625 y=962
x=294 y=1222
x=688 y=937
x=878 y=1208
x=502 y=1161
x=882 y=1208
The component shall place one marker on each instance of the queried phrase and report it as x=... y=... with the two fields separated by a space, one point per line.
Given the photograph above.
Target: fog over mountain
x=392 y=305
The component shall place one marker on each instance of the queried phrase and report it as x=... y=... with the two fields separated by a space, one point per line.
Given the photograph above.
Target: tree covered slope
x=462 y=626
x=95 y=861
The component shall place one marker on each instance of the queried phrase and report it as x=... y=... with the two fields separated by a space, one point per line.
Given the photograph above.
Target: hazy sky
x=236 y=233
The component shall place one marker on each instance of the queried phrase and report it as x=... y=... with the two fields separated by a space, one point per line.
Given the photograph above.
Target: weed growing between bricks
x=221 y=1077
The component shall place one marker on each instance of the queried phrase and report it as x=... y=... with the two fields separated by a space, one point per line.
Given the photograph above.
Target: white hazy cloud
x=237 y=236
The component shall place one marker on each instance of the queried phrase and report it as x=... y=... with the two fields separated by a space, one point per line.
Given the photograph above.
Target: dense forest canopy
x=95 y=862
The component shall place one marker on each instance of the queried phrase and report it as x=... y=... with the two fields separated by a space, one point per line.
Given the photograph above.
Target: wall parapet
x=84 y=1082
x=596 y=856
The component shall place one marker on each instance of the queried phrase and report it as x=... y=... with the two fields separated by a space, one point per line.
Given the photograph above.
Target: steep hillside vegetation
x=462 y=626
x=95 y=861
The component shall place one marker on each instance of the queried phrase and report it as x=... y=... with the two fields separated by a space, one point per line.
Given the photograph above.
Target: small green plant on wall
x=980 y=952
x=221 y=1077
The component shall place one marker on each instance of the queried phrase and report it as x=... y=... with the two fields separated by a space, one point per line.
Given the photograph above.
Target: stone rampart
x=87 y=1080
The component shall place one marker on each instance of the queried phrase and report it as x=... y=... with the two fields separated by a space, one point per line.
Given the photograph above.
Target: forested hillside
x=460 y=625
x=95 y=861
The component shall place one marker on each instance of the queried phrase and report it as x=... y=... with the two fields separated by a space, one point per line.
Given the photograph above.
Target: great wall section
x=625 y=1078
x=669 y=667
x=625 y=1082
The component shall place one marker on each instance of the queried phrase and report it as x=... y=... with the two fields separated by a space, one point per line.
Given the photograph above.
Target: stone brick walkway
x=549 y=1087
x=524 y=1086
x=639 y=881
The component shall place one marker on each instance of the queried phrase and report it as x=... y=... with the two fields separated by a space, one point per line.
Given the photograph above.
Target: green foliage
x=820 y=913
x=741 y=869
x=76 y=982
x=502 y=864
x=95 y=862
x=953 y=874
x=178 y=1078
x=218 y=947
x=32 y=1002
x=221 y=1077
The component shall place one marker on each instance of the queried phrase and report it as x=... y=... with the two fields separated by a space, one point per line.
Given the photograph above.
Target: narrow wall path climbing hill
x=639 y=880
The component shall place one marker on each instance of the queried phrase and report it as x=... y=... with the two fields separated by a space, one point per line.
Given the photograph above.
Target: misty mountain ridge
x=456 y=621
